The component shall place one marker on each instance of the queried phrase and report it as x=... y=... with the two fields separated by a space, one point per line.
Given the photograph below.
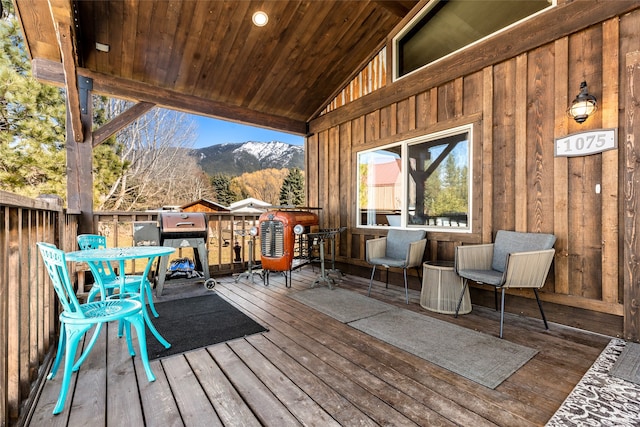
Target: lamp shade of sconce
x=260 y=18
x=583 y=105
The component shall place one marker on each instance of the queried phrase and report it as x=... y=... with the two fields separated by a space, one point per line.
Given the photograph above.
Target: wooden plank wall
x=28 y=308
x=518 y=106
x=371 y=78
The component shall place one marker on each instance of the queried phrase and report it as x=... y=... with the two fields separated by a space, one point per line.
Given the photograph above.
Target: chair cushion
x=388 y=262
x=512 y=241
x=398 y=242
x=489 y=277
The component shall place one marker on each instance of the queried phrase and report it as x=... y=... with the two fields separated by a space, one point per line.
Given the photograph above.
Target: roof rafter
x=119 y=122
x=51 y=72
x=62 y=16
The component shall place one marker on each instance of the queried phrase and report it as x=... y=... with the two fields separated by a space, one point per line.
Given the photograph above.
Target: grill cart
x=177 y=230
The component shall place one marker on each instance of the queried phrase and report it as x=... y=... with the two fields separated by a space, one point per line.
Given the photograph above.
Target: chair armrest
x=415 y=254
x=528 y=269
x=376 y=248
x=474 y=257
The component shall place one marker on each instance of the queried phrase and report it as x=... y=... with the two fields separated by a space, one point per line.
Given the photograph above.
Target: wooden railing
x=224 y=231
x=28 y=304
x=28 y=307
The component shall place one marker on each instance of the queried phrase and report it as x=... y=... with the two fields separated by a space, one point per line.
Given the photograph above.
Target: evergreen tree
x=32 y=125
x=32 y=120
x=292 y=190
x=222 y=186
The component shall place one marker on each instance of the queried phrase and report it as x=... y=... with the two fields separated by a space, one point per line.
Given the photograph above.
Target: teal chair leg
x=88 y=348
x=127 y=326
x=139 y=324
x=120 y=328
x=73 y=336
x=59 y=353
x=153 y=330
x=152 y=306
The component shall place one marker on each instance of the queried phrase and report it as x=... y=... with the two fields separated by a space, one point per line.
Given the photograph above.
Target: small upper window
x=445 y=26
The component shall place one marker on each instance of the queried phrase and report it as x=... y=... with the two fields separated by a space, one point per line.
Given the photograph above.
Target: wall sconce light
x=102 y=47
x=260 y=18
x=583 y=105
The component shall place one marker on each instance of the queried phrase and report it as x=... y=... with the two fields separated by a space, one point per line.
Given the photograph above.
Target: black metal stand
x=321 y=236
x=250 y=271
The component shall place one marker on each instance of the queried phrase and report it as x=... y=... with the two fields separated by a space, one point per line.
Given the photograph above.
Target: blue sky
x=212 y=132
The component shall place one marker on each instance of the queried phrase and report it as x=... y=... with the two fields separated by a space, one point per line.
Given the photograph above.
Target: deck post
x=631 y=187
x=80 y=165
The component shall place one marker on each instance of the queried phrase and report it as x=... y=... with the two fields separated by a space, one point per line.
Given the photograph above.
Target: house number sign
x=585 y=143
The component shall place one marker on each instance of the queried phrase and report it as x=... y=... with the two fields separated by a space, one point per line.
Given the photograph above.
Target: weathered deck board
x=416 y=368
x=310 y=369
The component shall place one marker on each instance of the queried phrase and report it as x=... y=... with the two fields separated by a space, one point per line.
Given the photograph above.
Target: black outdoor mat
x=196 y=322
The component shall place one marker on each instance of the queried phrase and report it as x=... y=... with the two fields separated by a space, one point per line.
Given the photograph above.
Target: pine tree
x=32 y=120
x=292 y=190
x=222 y=186
x=32 y=126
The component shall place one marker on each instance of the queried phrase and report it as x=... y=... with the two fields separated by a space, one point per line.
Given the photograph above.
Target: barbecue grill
x=278 y=233
x=178 y=230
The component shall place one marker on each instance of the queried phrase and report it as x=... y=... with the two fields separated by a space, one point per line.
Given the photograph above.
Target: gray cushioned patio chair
x=514 y=260
x=400 y=249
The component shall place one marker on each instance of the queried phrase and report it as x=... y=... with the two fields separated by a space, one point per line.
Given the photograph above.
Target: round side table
x=441 y=288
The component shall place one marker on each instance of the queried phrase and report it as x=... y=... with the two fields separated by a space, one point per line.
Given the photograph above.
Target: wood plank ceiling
x=207 y=57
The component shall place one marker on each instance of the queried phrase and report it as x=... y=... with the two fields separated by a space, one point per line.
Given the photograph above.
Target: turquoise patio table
x=93 y=256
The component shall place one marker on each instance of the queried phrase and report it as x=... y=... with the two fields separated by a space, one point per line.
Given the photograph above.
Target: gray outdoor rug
x=342 y=305
x=627 y=367
x=479 y=357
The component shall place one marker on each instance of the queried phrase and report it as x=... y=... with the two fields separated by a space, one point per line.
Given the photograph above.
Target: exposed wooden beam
x=62 y=16
x=51 y=72
x=398 y=8
x=117 y=123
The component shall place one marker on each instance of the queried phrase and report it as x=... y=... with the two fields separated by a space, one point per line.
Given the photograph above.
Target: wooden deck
x=310 y=369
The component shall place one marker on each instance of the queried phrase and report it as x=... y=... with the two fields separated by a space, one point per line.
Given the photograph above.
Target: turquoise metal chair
x=76 y=319
x=110 y=279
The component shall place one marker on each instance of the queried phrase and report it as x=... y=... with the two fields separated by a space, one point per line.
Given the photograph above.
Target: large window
x=446 y=26
x=421 y=183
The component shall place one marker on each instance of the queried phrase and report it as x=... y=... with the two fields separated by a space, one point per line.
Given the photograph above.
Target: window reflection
x=380 y=185
x=438 y=182
x=419 y=183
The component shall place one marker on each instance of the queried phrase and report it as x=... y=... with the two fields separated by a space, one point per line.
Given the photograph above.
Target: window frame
x=404 y=145
x=395 y=41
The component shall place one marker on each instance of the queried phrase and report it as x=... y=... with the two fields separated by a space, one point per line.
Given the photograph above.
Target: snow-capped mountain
x=237 y=158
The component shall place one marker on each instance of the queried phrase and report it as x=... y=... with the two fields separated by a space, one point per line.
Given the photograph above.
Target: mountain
x=234 y=159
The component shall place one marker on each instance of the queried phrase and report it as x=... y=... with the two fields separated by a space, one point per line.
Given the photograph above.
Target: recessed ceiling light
x=260 y=18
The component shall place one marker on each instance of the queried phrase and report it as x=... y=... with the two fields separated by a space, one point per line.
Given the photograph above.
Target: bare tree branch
x=159 y=166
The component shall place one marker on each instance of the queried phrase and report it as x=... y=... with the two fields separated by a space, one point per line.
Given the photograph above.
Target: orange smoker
x=279 y=231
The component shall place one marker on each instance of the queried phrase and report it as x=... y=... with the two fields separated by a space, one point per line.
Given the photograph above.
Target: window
x=422 y=183
x=446 y=26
